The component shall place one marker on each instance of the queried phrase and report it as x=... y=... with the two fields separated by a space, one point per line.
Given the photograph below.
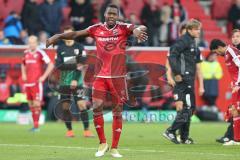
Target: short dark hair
x=215 y=43
x=111 y=5
x=235 y=31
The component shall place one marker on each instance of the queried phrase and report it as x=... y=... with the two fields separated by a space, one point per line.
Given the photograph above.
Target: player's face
x=236 y=38
x=68 y=41
x=32 y=43
x=220 y=51
x=111 y=16
x=195 y=32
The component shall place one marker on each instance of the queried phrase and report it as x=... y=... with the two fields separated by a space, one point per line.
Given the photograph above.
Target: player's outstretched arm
x=69 y=36
x=140 y=33
x=24 y=74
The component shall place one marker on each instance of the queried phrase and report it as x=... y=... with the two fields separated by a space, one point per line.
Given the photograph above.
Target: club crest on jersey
x=35 y=55
x=76 y=51
x=115 y=31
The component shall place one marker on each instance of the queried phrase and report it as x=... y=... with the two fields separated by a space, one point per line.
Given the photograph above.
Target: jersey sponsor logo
x=108 y=39
x=31 y=61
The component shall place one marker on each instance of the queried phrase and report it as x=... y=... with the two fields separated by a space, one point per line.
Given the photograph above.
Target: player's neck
x=69 y=43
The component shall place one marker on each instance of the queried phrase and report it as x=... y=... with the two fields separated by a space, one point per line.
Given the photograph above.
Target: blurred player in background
x=184 y=60
x=228 y=136
x=231 y=56
x=33 y=77
x=111 y=37
x=169 y=75
x=71 y=82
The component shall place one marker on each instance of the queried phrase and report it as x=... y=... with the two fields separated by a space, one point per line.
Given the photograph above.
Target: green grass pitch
x=139 y=141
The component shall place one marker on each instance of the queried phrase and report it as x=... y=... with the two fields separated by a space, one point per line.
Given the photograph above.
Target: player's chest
x=106 y=36
x=32 y=58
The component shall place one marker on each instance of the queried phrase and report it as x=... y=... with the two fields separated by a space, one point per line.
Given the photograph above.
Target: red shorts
x=115 y=87
x=35 y=92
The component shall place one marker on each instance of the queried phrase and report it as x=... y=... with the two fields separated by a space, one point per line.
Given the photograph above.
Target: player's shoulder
x=124 y=24
x=26 y=51
x=97 y=25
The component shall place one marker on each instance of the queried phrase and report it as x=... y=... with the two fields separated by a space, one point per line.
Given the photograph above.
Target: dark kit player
x=112 y=75
x=184 y=59
x=69 y=54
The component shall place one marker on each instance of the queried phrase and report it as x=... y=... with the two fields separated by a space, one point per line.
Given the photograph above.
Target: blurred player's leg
x=34 y=95
x=36 y=112
x=84 y=117
x=235 y=110
x=98 y=97
x=67 y=117
x=179 y=121
x=118 y=88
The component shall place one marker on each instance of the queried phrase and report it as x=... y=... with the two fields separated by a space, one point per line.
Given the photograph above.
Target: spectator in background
x=13 y=27
x=3 y=39
x=132 y=41
x=212 y=73
x=24 y=37
x=30 y=17
x=178 y=10
x=150 y=16
x=82 y=14
x=43 y=36
x=201 y=42
x=174 y=27
x=234 y=15
x=164 y=27
x=51 y=16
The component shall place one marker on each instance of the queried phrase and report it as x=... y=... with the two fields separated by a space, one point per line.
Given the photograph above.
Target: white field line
x=123 y=149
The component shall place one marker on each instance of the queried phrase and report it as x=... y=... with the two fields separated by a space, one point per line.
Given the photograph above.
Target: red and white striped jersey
x=232 y=61
x=33 y=61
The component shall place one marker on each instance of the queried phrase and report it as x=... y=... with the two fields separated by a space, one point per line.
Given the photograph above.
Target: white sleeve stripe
x=46 y=58
x=235 y=57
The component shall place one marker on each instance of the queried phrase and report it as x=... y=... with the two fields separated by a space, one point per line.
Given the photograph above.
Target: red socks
x=236 y=129
x=116 y=129
x=99 y=125
x=36 y=111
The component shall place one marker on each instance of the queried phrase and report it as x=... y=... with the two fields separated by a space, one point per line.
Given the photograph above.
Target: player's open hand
x=140 y=34
x=41 y=79
x=52 y=41
x=171 y=82
x=201 y=91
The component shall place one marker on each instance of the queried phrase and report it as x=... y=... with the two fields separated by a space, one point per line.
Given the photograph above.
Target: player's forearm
x=72 y=35
x=48 y=70
x=200 y=76
x=23 y=70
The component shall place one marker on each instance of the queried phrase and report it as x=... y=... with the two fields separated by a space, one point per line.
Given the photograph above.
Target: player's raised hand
x=141 y=34
x=52 y=41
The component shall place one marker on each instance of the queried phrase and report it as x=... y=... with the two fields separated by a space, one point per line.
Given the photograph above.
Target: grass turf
x=138 y=141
